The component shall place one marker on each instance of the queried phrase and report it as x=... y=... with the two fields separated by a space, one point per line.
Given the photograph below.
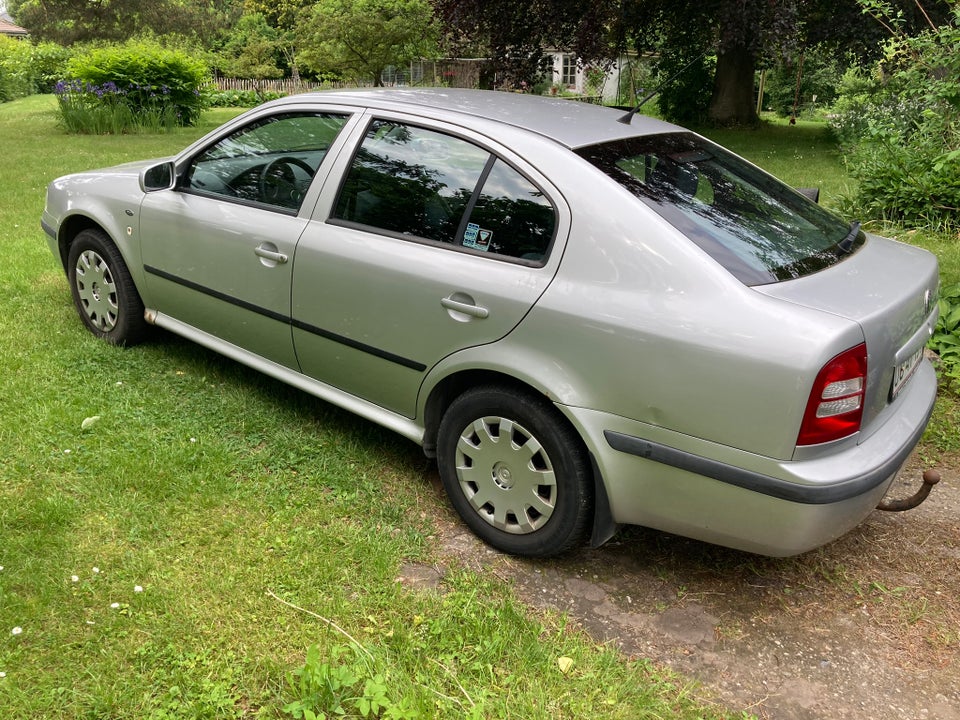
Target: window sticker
x=477 y=238
x=470 y=236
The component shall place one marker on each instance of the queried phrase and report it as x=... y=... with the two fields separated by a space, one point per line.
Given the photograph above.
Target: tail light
x=835 y=407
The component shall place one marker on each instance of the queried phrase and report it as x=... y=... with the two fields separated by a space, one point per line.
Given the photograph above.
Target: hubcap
x=97 y=290
x=506 y=475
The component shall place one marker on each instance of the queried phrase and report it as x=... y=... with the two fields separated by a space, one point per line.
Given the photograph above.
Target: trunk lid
x=890 y=290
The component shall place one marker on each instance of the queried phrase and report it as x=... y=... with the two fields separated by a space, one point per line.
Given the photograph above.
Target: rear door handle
x=467 y=307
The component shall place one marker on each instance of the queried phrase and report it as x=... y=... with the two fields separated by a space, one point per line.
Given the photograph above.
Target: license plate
x=903 y=371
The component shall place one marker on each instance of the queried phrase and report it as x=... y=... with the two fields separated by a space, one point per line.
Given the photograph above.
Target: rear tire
x=103 y=291
x=515 y=471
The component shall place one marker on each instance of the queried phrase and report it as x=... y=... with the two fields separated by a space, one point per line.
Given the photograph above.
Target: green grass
x=176 y=531
x=801 y=155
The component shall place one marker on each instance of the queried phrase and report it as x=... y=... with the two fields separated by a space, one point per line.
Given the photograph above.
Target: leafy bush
x=48 y=61
x=900 y=126
x=142 y=78
x=946 y=337
x=16 y=76
x=240 y=98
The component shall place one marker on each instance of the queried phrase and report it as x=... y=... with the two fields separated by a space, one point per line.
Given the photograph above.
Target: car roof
x=570 y=123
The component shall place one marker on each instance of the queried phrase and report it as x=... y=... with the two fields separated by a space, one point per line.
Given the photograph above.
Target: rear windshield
x=755 y=226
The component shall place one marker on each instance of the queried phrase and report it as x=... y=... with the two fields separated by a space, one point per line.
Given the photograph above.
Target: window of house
x=568 y=72
x=419 y=183
x=272 y=161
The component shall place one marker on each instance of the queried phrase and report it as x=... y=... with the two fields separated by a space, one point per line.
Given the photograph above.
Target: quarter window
x=270 y=162
x=423 y=184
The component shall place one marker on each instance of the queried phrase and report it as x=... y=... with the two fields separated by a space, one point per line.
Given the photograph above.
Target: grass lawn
x=179 y=535
x=182 y=537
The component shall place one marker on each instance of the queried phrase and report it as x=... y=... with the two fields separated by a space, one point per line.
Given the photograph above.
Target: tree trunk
x=732 y=102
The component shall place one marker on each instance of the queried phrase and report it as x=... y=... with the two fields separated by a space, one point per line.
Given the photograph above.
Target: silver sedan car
x=588 y=320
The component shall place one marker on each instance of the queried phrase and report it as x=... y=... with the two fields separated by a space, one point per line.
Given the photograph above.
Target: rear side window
x=755 y=226
x=427 y=185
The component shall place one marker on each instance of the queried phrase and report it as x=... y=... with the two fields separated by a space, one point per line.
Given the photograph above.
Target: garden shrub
x=16 y=75
x=900 y=127
x=240 y=98
x=48 y=61
x=126 y=87
x=946 y=337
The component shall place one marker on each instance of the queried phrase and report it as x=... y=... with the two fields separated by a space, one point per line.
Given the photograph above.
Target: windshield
x=755 y=226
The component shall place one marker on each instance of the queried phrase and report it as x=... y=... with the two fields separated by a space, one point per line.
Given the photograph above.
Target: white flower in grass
x=193 y=440
x=74 y=578
x=137 y=588
x=2 y=674
x=17 y=630
x=115 y=606
x=96 y=571
x=1 y=568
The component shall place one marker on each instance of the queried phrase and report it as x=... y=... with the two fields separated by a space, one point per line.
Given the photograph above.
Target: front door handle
x=465 y=305
x=271 y=254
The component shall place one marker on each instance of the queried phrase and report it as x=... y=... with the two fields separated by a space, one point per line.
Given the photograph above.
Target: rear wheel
x=515 y=471
x=103 y=291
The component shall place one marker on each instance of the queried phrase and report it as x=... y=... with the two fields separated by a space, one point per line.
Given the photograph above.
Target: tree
x=361 y=38
x=67 y=21
x=251 y=50
x=287 y=17
x=730 y=38
x=514 y=35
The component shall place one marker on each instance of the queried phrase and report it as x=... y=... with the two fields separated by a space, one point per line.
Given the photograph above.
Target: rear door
x=433 y=242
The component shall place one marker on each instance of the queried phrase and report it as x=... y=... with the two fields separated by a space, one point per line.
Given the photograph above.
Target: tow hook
x=930 y=478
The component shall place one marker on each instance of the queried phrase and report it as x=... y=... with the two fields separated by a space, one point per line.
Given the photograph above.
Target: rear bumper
x=721 y=495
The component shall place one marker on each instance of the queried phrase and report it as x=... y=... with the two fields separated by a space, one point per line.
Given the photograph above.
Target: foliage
x=103 y=109
x=48 y=61
x=240 y=98
x=252 y=50
x=820 y=69
x=946 y=337
x=343 y=687
x=140 y=77
x=516 y=35
x=27 y=68
x=68 y=22
x=16 y=74
x=901 y=127
x=361 y=38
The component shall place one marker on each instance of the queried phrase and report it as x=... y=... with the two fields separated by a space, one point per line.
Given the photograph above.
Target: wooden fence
x=447 y=73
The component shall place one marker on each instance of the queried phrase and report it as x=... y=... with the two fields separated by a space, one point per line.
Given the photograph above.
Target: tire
x=517 y=474
x=103 y=291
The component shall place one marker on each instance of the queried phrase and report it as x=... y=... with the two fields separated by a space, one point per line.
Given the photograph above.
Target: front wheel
x=103 y=291
x=516 y=473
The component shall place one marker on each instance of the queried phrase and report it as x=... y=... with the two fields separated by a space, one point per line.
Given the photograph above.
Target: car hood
x=890 y=290
x=124 y=169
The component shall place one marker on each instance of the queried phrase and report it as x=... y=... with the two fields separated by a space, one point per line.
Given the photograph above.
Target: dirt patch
x=866 y=628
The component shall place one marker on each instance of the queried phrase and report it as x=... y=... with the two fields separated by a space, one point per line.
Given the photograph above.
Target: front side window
x=420 y=183
x=755 y=226
x=271 y=161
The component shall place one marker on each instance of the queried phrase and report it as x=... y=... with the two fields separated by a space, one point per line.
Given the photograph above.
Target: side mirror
x=810 y=193
x=161 y=176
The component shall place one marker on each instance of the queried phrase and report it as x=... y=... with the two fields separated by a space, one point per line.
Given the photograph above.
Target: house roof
x=7 y=27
